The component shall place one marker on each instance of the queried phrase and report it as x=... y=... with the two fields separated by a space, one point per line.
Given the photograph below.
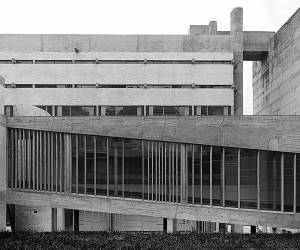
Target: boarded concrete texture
x=33 y=218
x=276 y=133
x=120 y=43
x=276 y=79
x=3 y=181
x=155 y=209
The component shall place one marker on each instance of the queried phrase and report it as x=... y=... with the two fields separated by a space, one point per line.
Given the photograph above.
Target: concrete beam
x=155 y=209
x=275 y=133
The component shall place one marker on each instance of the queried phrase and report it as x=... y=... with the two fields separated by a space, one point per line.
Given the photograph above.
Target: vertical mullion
x=239 y=178
x=12 y=155
x=45 y=160
x=295 y=180
x=123 y=167
x=107 y=167
x=156 y=170
x=29 y=143
x=33 y=161
x=210 y=175
x=95 y=168
x=170 y=172
x=201 y=181
x=16 y=158
x=176 y=173
x=143 y=170
x=51 y=160
x=23 y=159
x=223 y=176
x=84 y=163
x=148 y=168
x=258 y=179
x=48 y=162
x=165 y=148
x=282 y=182
x=159 y=176
x=76 y=181
x=173 y=173
x=152 y=160
x=60 y=163
x=56 y=161
x=193 y=174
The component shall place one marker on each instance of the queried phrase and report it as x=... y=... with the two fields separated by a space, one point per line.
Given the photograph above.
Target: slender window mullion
x=239 y=178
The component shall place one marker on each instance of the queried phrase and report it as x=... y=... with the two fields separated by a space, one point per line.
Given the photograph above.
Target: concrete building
x=146 y=132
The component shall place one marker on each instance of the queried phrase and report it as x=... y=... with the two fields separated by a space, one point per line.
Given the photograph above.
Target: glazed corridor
x=153 y=170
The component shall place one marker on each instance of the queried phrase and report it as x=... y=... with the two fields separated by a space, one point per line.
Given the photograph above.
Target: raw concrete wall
x=121 y=43
x=33 y=218
x=112 y=74
x=275 y=133
x=276 y=78
x=3 y=180
x=119 y=96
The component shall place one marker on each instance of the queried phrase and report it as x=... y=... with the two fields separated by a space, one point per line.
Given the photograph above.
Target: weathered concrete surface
x=155 y=209
x=3 y=180
x=256 y=44
x=278 y=133
x=236 y=29
x=108 y=43
x=276 y=79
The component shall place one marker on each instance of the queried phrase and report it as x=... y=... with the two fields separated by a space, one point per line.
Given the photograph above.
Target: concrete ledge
x=275 y=133
x=155 y=209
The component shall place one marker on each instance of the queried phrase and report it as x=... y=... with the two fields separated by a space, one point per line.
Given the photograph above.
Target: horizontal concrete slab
x=277 y=133
x=155 y=209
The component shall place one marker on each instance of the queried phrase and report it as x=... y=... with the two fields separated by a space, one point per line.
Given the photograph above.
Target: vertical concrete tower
x=236 y=29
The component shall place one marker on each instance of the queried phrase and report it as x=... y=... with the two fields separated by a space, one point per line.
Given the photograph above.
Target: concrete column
x=236 y=28
x=60 y=219
x=212 y=28
x=3 y=184
x=171 y=225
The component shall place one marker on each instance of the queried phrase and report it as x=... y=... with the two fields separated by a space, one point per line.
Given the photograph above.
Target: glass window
x=189 y=151
x=206 y=175
x=248 y=159
x=9 y=110
x=288 y=182
x=101 y=165
x=217 y=159
x=116 y=148
x=197 y=174
x=215 y=110
x=204 y=110
x=90 y=182
x=110 y=111
x=158 y=110
x=270 y=180
x=83 y=110
x=81 y=164
x=133 y=168
x=130 y=111
x=66 y=110
x=74 y=162
x=231 y=177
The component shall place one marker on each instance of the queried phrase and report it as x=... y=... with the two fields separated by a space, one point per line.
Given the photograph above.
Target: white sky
x=142 y=17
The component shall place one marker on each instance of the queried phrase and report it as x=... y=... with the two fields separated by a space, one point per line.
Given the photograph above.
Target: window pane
x=90 y=165
x=215 y=110
x=189 y=151
x=130 y=111
x=115 y=166
x=206 y=175
x=217 y=155
x=66 y=111
x=177 y=111
x=74 y=149
x=231 y=177
x=81 y=163
x=133 y=163
x=288 y=182
x=270 y=180
x=157 y=110
x=82 y=111
x=101 y=165
x=197 y=174
x=248 y=178
x=110 y=111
